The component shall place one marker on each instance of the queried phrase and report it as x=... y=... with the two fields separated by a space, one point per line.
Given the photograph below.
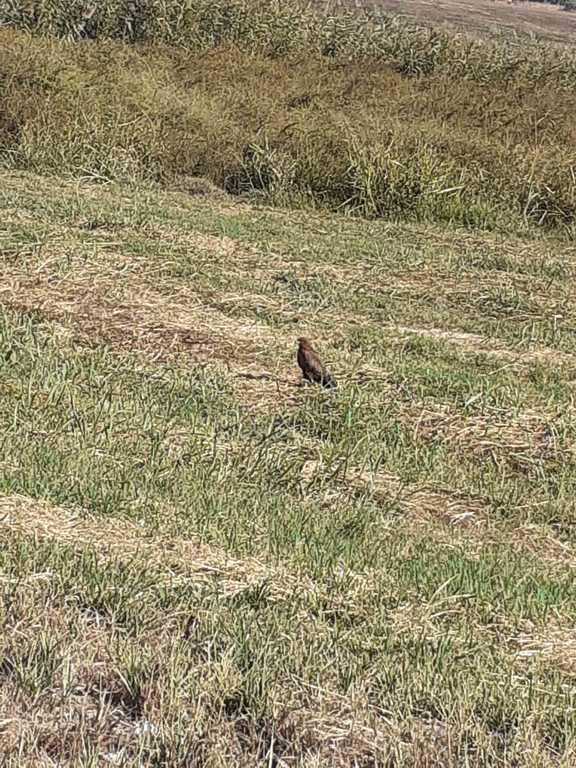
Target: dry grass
x=481 y=136
x=473 y=342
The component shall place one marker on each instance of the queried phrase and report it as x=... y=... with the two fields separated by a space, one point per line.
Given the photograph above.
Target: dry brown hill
x=487 y=17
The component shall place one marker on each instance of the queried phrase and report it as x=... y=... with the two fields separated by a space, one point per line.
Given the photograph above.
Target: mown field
x=202 y=562
x=205 y=563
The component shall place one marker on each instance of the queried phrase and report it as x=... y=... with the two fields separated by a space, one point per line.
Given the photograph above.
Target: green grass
x=203 y=563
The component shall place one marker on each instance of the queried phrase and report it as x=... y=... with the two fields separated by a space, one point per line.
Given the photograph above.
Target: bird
x=311 y=366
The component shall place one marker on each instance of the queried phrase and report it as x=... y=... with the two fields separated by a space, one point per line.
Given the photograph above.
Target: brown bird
x=312 y=368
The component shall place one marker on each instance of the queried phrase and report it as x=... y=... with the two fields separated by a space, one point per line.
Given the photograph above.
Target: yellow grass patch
x=178 y=559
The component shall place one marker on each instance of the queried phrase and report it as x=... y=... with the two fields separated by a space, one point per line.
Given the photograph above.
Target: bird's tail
x=328 y=382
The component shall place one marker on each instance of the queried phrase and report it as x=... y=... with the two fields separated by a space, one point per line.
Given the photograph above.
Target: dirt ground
x=483 y=17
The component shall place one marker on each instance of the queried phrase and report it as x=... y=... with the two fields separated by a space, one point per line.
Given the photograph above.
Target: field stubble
x=204 y=563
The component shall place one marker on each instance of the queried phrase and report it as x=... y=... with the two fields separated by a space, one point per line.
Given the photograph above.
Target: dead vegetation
x=473 y=342
x=106 y=692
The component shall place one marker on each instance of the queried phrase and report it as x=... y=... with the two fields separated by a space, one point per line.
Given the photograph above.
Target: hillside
x=420 y=127
x=205 y=563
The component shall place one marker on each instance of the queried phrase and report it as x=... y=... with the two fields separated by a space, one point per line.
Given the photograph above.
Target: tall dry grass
x=275 y=28
x=356 y=112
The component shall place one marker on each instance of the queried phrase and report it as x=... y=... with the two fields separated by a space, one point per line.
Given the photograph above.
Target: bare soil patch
x=485 y=17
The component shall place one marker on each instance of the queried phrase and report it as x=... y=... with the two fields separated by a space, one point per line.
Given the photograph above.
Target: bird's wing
x=315 y=365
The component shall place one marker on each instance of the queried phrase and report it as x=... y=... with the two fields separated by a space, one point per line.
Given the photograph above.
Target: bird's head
x=303 y=341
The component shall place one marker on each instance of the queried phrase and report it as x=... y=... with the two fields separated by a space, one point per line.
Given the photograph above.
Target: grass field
x=204 y=563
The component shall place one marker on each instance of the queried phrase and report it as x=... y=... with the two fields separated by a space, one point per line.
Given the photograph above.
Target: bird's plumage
x=312 y=368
